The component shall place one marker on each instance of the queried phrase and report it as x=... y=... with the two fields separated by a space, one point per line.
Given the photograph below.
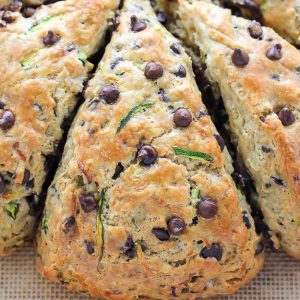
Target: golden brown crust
x=253 y=96
x=39 y=84
x=143 y=197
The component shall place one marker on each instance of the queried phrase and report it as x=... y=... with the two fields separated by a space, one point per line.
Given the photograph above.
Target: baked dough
x=43 y=67
x=143 y=205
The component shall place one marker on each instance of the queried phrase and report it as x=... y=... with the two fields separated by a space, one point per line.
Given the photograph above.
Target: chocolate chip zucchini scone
x=257 y=73
x=142 y=204
x=41 y=72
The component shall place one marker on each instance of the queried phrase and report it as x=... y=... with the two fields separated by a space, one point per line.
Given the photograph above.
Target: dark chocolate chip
x=182 y=117
x=175 y=48
x=240 y=58
x=195 y=220
x=89 y=247
x=181 y=72
x=161 y=233
x=118 y=171
x=2 y=105
x=88 y=202
x=260 y=247
x=137 y=25
x=110 y=94
x=68 y=225
x=154 y=70
x=71 y=48
x=203 y=113
x=255 y=30
x=207 y=208
x=278 y=181
x=275 y=77
x=214 y=251
x=28 y=12
x=246 y=219
x=163 y=95
x=27 y=182
x=286 y=116
x=115 y=62
x=8 y=17
x=2 y=184
x=129 y=248
x=161 y=17
x=274 y=52
x=51 y=38
x=268 y=185
x=266 y=149
x=220 y=141
x=147 y=155
x=176 y=225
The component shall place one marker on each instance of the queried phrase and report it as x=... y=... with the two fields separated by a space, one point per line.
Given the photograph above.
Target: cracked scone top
x=43 y=67
x=258 y=76
x=142 y=204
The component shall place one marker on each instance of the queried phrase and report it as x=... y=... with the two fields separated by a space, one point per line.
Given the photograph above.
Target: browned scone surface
x=257 y=73
x=43 y=67
x=126 y=216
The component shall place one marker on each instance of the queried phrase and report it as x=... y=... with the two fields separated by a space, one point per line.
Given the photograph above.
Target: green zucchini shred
x=192 y=154
x=82 y=57
x=45 y=224
x=133 y=112
x=195 y=195
x=26 y=62
x=12 y=209
x=40 y=25
x=99 y=225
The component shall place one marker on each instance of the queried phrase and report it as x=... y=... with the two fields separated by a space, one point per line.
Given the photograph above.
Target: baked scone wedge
x=42 y=70
x=257 y=73
x=143 y=204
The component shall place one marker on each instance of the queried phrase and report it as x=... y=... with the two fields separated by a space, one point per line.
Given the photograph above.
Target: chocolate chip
x=182 y=117
x=89 y=247
x=68 y=225
x=2 y=105
x=115 y=62
x=214 y=251
x=260 y=247
x=203 y=113
x=275 y=77
x=110 y=94
x=137 y=25
x=220 y=141
x=88 y=202
x=255 y=30
x=71 y=48
x=51 y=38
x=195 y=220
x=240 y=58
x=278 y=181
x=161 y=17
x=147 y=155
x=176 y=225
x=274 y=52
x=266 y=149
x=129 y=248
x=118 y=171
x=175 y=48
x=154 y=70
x=286 y=116
x=181 y=72
x=8 y=17
x=2 y=184
x=28 y=12
x=246 y=219
x=15 y=6
x=161 y=233
x=163 y=95
x=207 y=208
x=268 y=185
x=27 y=182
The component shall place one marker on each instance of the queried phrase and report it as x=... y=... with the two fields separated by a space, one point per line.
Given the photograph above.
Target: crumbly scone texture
x=253 y=96
x=39 y=84
x=111 y=251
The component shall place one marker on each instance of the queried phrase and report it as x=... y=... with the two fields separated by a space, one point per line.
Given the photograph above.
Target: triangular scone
x=142 y=205
x=41 y=72
x=258 y=74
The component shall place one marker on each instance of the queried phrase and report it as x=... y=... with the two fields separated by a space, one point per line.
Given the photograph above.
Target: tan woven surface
x=280 y=280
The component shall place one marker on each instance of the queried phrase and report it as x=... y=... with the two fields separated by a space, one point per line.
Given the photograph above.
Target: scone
x=143 y=205
x=257 y=73
x=43 y=67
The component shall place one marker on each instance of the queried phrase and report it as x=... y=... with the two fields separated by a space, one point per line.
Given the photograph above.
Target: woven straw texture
x=279 y=280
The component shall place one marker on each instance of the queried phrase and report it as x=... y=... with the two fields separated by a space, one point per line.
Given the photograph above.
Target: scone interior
x=143 y=205
x=43 y=67
x=257 y=73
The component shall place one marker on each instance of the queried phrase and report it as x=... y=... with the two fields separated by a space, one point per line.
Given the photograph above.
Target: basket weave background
x=279 y=280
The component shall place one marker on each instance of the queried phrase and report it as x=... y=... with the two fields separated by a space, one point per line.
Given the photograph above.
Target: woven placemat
x=279 y=280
